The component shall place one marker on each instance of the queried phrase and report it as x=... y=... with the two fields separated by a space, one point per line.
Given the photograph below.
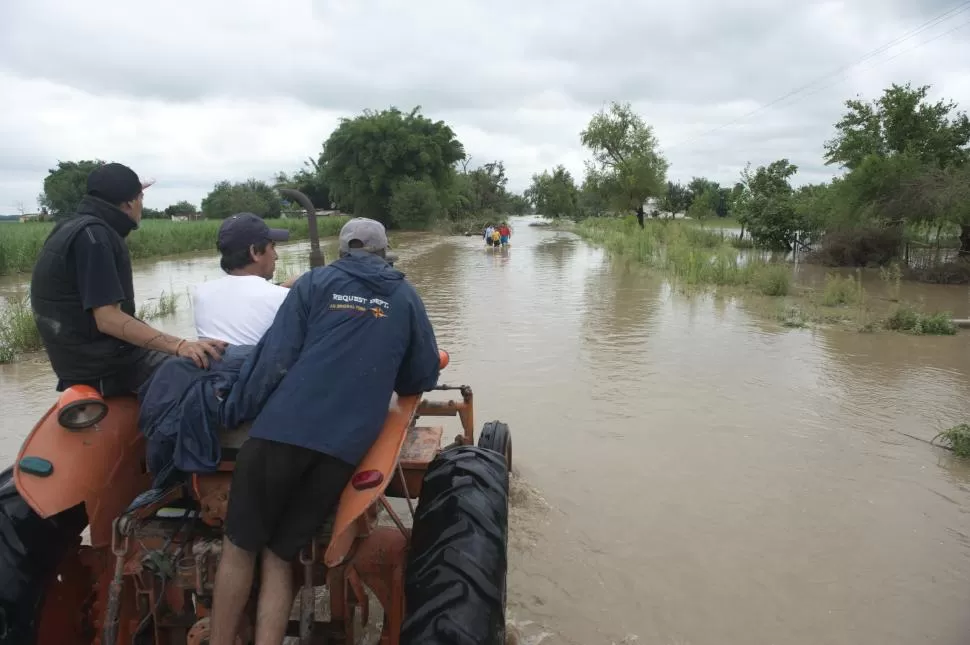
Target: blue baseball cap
x=242 y=230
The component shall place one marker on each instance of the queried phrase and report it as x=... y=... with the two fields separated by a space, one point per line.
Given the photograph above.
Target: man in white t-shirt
x=240 y=307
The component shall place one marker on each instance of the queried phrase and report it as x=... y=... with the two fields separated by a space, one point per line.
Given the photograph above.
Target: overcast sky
x=194 y=92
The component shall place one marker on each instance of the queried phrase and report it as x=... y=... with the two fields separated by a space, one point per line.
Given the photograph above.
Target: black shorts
x=282 y=495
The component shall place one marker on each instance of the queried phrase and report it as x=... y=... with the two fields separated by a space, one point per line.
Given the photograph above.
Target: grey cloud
x=521 y=79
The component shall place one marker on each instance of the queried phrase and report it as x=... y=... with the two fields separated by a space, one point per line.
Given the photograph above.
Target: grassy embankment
x=693 y=257
x=20 y=244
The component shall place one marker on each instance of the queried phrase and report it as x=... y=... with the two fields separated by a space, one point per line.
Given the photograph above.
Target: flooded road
x=688 y=472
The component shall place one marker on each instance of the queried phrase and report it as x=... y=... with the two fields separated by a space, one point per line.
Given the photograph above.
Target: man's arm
x=420 y=368
x=101 y=293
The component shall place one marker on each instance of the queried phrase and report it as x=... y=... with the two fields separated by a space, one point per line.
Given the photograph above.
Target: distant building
x=301 y=214
x=185 y=217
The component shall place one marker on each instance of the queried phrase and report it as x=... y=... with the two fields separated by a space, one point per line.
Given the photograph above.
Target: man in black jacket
x=83 y=299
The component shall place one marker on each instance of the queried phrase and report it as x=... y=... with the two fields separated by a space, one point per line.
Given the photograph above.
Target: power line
x=886 y=60
x=950 y=13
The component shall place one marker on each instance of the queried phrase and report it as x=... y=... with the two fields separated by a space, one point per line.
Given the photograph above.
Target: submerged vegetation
x=694 y=257
x=907 y=319
x=956 y=439
x=689 y=255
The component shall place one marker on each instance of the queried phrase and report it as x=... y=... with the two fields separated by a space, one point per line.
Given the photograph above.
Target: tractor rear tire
x=31 y=548
x=454 y=585
x=496 y=436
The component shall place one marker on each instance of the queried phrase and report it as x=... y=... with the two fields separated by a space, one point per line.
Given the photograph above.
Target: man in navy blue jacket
x=318 y=386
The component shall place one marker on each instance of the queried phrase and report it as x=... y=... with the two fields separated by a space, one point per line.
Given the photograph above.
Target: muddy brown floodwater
x=688 y=472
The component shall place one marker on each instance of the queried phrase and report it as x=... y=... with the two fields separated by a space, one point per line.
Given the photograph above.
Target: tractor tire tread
x=457 y=564
x=495 y=435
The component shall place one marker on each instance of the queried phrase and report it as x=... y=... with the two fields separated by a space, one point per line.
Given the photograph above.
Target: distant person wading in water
x=505 y=233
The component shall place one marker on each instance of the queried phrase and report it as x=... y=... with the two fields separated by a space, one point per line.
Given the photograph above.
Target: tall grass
x=893 y=277
x=18 y=332
x=20 y=243
x=167 y=304
x=841 y=291
x=774 y=280
x=688 y=253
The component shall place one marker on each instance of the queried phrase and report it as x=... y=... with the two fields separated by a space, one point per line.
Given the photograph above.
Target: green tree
x=705 y=204
x=904 y=155
x=366 y=157
x=309 y=181
x=65 y=185
x=699 y=185
x=591 y=201
x=676 y=199
x=252 y=196
x=415 y=204
x=716 y=200
x=900 y=122
x=181 y=208
x=458 y=199
x=554 y=194
x=518 y=204
x=627 y=164
x=766 y=206
x=940 y=197
x=488 y=185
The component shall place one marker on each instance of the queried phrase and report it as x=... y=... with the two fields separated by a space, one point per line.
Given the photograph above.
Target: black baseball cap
x=241 y=230
x=115 y=183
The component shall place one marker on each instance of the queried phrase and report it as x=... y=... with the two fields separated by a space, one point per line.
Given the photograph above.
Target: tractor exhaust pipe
x=316 y=256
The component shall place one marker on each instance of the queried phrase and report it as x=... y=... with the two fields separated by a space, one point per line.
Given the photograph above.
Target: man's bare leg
x=234 y=581
x=275 y=599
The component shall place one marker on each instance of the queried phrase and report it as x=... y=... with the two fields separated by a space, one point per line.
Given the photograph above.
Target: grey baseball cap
x=370 y=233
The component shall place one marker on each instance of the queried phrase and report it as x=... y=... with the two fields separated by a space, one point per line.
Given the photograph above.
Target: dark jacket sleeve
x=419 y=369
x=275 y=354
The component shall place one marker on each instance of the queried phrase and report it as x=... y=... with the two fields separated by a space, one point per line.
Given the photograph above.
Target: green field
x=20 y=243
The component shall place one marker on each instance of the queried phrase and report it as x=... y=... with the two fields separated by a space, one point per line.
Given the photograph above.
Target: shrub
x=908 y=319
x=859 y=247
